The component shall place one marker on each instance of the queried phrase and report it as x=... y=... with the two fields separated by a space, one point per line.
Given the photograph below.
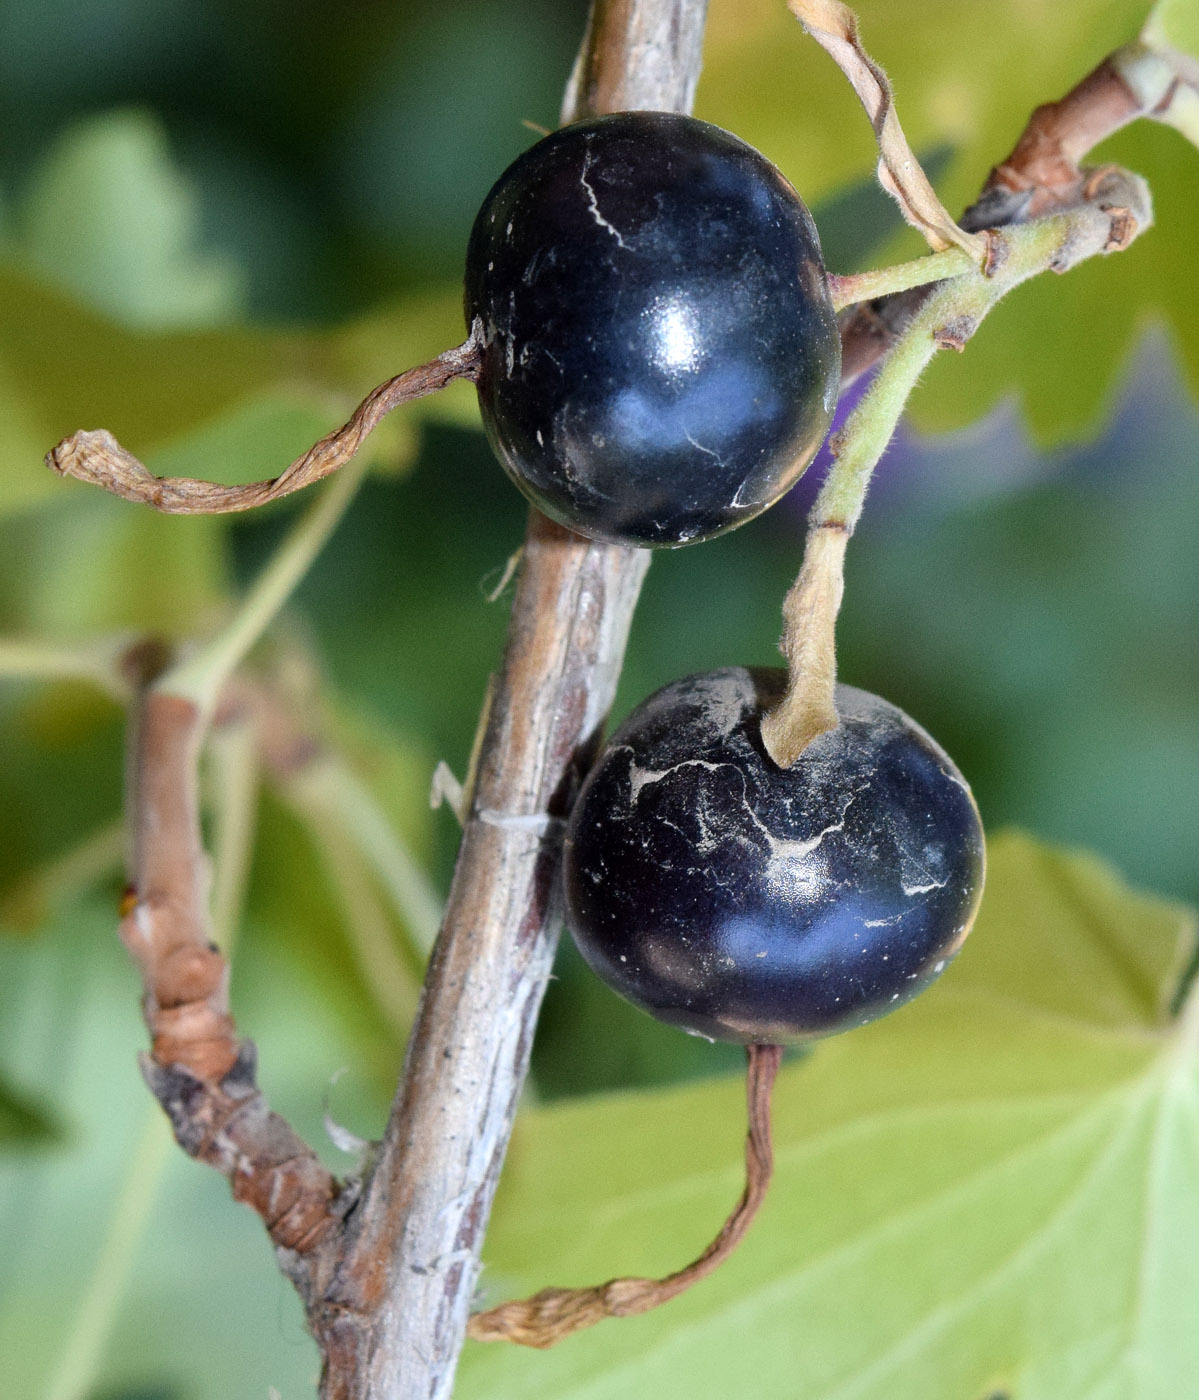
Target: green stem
x=902 y=277
x=233 y=753
x=31 y=658
x=949 y=316
x=408 y=887
x=869 y=428
x=199 y=678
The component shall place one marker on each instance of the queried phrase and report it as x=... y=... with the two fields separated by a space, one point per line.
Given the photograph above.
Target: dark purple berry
x=751 y=903
x=661 y=356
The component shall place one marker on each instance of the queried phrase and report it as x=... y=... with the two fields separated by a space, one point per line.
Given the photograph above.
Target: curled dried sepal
x=554 y=1313
x=99 y=459
x=835 y=28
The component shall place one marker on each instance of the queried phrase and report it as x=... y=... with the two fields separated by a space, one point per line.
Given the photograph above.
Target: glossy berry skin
x=661 y=356
x=749 y=903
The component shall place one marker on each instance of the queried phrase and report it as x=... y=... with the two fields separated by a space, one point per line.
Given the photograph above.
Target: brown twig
x=401 y=1298
x=554 y=1313
x=637 y=54
x=198 y=1068
x=1045 y=161
x=98 y=458
x=400 y=1303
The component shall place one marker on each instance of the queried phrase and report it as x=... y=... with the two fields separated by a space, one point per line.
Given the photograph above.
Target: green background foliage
x=218 y=228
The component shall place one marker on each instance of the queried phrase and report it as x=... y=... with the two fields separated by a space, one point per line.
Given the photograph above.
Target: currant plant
x=761 y=857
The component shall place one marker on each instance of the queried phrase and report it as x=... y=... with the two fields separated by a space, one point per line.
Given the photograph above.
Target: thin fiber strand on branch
x=98 y=458
x=835 y=28
x=554 y=1313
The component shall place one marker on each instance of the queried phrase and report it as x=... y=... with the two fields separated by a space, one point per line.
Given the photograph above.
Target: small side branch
x=198 y=1068
x=1045 y=160
x=99 y=459
x=555 y=1313
x=202 y=1073
x=1041 y=176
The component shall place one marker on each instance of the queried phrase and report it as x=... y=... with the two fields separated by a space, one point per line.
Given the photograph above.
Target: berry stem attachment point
x=810 y=609
x=554 y=1313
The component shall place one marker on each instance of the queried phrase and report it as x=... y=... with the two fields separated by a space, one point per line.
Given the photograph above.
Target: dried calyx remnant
x=97 y=458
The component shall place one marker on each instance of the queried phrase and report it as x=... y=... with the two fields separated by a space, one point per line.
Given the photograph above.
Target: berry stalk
x=1114 y=208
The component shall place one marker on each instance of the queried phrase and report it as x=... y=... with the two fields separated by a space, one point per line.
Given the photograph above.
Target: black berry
x=661 y=356
x=750 y=903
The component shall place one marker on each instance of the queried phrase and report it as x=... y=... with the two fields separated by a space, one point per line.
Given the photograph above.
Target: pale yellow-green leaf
x=996 y=1190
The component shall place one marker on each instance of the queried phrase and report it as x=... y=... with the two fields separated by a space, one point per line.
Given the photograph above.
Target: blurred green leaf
x=109 y=217
x=994 y=1190
x=399 y=597
x=304 y=930
x=90 y=566
x=24 y=1122
x=962 y=76
x=968 y=78
x=590 y=1040
x=60 y=779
